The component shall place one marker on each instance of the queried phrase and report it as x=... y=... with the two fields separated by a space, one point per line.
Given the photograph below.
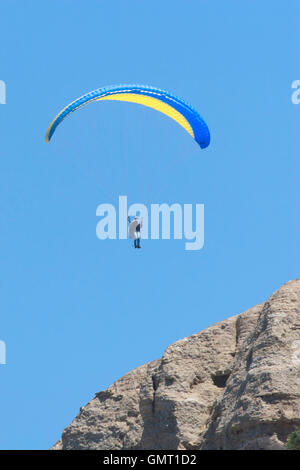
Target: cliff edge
x=235 y=385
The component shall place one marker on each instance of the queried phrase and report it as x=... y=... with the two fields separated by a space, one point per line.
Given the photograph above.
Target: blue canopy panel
x=155 y=98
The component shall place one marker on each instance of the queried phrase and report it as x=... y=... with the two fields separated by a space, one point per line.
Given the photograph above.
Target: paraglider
x=163 y=101
x=134 y=230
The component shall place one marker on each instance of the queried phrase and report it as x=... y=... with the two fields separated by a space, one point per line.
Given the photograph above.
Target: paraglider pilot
x=134 y=230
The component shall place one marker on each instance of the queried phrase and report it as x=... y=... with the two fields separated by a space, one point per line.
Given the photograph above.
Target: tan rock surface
x=235 y=385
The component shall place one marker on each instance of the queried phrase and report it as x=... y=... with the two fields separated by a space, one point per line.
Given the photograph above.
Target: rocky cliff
x=235 y=385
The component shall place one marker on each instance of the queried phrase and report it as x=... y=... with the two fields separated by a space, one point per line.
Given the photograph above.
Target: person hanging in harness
x=134 y=230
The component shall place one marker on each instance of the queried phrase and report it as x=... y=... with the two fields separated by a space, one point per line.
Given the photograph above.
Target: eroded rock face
x=235 y=385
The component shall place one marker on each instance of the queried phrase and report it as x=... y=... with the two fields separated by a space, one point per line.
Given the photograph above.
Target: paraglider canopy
x=163 y=101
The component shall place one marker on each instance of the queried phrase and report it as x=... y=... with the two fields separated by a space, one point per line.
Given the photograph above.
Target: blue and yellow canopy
x=155 y=98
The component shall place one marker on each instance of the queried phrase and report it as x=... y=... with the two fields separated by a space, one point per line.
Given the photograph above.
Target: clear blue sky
x=77 y=313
